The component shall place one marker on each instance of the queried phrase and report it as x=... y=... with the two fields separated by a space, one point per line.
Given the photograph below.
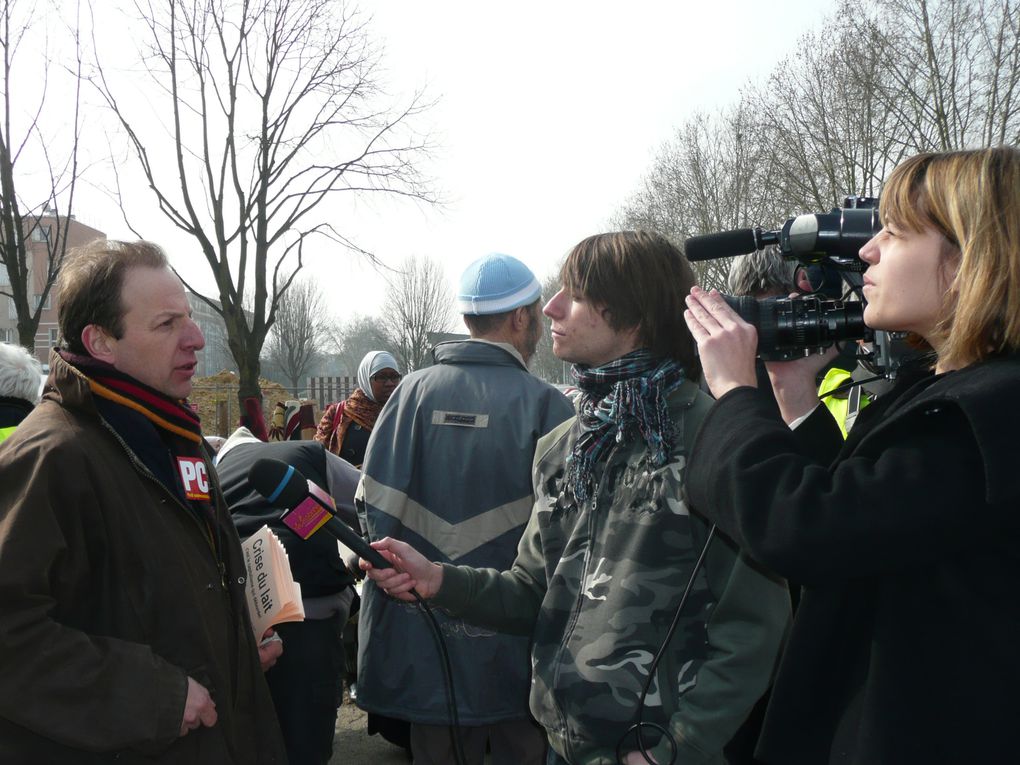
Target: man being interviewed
x=125 y=633
x=611 y=545
x=448 y=468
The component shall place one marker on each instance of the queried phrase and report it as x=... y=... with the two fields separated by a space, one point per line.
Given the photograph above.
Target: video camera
x=833 y=238
x=789 y=328
x=792 y=327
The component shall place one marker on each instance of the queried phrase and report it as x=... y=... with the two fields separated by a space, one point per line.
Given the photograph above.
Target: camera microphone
x=309 y=508
x=834 y=237
x=726 y=244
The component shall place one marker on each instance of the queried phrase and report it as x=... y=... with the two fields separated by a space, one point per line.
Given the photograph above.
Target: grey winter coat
x=448 y=469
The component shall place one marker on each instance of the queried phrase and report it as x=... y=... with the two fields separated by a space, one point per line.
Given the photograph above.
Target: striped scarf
x=162 y=411
x=625 y=397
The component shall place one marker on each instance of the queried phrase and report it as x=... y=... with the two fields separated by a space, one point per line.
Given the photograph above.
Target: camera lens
x=792 y=327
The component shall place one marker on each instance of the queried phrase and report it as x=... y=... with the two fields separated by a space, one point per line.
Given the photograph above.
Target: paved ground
x=353 y=746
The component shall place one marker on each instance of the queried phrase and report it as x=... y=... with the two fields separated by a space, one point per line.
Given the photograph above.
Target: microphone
x=728 y=243
x=309 y=507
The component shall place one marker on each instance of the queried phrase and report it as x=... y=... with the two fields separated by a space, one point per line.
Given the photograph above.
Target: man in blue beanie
x=612 y=550
x=448 y=469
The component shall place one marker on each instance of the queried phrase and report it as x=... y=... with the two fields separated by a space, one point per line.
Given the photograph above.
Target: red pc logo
x=194 y=477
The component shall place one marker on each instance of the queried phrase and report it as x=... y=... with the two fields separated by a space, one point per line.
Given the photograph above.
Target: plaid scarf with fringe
x=619 y=400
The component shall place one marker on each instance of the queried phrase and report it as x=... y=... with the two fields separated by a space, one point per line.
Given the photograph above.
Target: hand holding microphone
x=309 y=508
x=402 y=573
x=406 y=573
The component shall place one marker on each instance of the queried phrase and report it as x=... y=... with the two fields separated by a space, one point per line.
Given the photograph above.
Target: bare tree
x=355 y=338
x=884 y=80
x=887 y=79
x=299 y=332
x=544 y=363
x=829 y=135
x=272 y=110
x=418 y=302
x=27 y=136
x=954 y=67
x=709 y=177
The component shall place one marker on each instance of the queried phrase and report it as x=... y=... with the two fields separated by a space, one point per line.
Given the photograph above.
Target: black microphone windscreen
x=278 y=482
x=722 y=245
x=283 y=486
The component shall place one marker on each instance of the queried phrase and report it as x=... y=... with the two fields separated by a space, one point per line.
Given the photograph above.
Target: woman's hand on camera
x=411 y=570
x=726 y=343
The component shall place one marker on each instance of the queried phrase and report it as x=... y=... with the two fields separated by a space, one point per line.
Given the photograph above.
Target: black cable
x=451 y=697
x=849 y=385
x=639 y=723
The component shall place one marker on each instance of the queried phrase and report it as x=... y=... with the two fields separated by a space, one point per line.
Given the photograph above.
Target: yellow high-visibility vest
x=844 y=406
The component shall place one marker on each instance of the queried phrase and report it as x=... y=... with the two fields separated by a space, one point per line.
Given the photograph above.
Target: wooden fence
x=326 y=390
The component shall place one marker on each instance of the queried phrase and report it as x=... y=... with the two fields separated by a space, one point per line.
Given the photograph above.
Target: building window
x=5 y=335
x=53 y=337
x=5 y=279
x=40 y=233
x=45 y=307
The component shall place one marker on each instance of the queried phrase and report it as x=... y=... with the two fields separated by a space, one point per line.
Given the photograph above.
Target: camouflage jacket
x=597 y=584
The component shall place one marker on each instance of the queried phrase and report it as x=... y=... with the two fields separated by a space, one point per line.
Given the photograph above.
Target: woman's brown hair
x=973 y=199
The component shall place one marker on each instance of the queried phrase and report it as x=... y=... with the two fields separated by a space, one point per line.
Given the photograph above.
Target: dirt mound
x=215 y=399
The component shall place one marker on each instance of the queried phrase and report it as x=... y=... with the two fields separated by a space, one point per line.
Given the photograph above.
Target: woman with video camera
x=906 y=645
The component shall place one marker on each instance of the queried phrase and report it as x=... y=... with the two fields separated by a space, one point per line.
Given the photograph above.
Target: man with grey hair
x=20 y=376
x=448 y=468
x=761 y=274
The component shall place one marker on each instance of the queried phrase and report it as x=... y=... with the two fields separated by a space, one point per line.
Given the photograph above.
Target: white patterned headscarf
x=373 y=362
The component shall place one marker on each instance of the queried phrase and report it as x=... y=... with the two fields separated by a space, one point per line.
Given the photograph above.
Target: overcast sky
x=548 y=115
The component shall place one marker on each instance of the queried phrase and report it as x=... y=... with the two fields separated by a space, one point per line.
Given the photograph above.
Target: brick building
x=213 y=358
x=216 y=356
x=46 y=336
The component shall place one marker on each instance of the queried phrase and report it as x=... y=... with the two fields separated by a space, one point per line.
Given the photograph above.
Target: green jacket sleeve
x=745 y=632
x=745 y=635
x=504 y=600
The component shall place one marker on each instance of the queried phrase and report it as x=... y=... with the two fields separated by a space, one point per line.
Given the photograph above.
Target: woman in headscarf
x=346 y=425
x=344 y=430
